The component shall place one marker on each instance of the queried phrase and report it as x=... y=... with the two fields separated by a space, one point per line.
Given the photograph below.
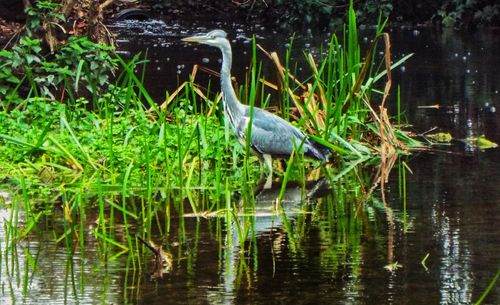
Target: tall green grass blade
x=125 y=211
x=139 y=85
x=19 y=141
x=110 y=240
x=78 y=73
x=66 y=152
x=488 y=289
x=75 y=140
x=352 y=165
x=346 y=144
x=398 y=63
x=45 y=130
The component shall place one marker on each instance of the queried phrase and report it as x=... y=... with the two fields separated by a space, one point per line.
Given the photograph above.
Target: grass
x=144 y=167
x=127 y=143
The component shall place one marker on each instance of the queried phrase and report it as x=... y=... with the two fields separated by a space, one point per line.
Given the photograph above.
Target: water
x=312 y=257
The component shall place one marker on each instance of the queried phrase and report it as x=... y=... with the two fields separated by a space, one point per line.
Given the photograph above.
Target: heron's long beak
x=196 y=38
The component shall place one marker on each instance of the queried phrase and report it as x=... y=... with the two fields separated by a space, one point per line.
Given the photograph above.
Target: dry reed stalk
x=273 y=56
x=195 y=88
x=214 y=105
x=387 y=60
x=172 y=96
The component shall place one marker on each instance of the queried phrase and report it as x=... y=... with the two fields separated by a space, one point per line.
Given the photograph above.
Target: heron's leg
x=269 y=162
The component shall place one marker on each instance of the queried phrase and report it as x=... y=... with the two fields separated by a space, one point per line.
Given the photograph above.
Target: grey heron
x=270 y=135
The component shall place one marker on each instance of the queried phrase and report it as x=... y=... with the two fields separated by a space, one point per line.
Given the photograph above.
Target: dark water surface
x=453 y=201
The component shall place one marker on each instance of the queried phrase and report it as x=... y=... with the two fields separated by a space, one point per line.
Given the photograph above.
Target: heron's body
x=270 y=135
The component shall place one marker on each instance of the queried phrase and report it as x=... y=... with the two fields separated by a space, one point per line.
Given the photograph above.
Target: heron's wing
x=272 y=135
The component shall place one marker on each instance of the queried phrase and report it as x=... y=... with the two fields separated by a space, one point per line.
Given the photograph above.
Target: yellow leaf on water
x=436 y=106
x=480 y=142
x=393 y=266
x=441 y=137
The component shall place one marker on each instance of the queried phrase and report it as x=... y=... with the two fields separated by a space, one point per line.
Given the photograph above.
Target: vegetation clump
x=330 y=14
x=65 y=127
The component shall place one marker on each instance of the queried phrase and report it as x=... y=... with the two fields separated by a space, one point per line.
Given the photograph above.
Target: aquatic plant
x=146 y=166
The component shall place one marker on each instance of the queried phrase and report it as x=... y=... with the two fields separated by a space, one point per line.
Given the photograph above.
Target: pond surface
x=329 y=250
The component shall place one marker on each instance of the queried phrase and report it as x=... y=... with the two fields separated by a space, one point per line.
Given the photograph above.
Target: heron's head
x=216 y=38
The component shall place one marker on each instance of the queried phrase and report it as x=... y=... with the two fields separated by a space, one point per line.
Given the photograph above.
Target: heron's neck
x=226 y=84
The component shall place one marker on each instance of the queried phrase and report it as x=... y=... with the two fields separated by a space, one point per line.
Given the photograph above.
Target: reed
x=338 y=102
x=488 y=289
x=146 y=167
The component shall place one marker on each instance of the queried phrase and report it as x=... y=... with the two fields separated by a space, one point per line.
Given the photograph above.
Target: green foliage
x=42 y=13
x=464 y=13
x=26 y=71
x=76 y=67
x=162 y=161
x=50 y=146
x=338 y=103
x=87 y=61
x=74 y=146
x=330 y=13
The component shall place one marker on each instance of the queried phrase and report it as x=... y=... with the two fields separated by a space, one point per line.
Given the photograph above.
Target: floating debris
x=441 y=137
x=423 y=262
x=162 y=260
x=436 y=106
x=480 y=142
x=393 y=266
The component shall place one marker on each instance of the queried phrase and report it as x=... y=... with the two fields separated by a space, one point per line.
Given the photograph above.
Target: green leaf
x=103 y=78
x=5 y=53
x=13 y=79
x=30 y=58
